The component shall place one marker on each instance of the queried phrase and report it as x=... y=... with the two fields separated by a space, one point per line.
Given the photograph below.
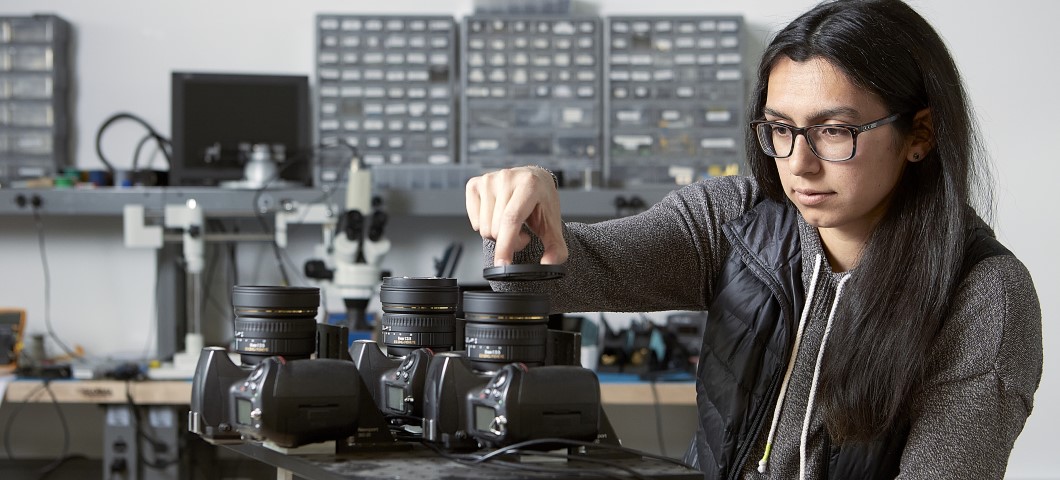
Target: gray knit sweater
x=987 y=359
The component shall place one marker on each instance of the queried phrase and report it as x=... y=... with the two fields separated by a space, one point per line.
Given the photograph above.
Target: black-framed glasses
x=833 y=143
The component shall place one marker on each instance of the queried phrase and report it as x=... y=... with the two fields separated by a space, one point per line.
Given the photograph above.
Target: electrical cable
x=154 y=323
x=64 y=455
x=31 y=397
x=162 y=141
x=482 y=459
x=397 y=423
x=479 y=462
x=577 y=443
x=658 y=415
x=399 y=416
x=581 y=458
x=211 y=273
x=141 y=434
x=39 y=222
x=52 y=467
x=62 y=419
x=260 y=214
x=9 y=423
x=355 y=154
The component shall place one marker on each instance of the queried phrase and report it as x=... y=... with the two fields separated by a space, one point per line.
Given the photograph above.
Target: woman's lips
x=812 y=197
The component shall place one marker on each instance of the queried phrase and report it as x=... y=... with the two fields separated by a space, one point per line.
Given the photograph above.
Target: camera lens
x=505 y=327
x=418 y=312
x=274 y=321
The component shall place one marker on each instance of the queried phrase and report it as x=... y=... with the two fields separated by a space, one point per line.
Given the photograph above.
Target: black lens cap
x=524 y=272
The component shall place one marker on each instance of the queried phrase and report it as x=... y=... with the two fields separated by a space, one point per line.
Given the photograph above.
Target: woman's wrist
x=555 y=179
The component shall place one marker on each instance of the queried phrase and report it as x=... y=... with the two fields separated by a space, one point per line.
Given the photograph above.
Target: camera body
x=501 y=328
x=449 y=379
x=372 y=363
x=401 y=388
x=520 y=403
x=276 y=336
x=297 y=402
x=396 y=383
x=210 y=416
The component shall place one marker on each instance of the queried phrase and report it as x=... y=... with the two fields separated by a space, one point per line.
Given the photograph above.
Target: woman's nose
x=802 y=160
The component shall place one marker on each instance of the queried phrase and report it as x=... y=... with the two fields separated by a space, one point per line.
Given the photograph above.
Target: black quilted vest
x=748 y=339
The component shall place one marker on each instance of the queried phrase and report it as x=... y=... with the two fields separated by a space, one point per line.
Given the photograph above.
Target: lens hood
x=506 y=306
x=276 y=300
x=412 y=294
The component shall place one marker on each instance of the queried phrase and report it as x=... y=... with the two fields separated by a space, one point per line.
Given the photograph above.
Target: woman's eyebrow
x=774 y=113
x=842 y=111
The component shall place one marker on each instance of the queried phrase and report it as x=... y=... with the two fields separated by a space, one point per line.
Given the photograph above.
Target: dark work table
x=422 y=463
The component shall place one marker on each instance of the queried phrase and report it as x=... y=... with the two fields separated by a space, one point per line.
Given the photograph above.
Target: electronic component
x=385 y=86
x=12 y=324
x=35 y=85
x=675 y=98
x=532 y=93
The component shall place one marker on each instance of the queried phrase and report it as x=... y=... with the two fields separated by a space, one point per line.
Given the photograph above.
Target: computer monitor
x=218 y=115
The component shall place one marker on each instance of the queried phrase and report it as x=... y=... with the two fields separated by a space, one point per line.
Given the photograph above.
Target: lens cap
x=525 y=272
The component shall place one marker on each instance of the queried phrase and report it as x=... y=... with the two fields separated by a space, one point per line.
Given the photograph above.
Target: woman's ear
x=921 y=137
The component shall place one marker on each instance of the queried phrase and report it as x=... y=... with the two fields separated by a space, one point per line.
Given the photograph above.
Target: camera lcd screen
x=484 y=417
x=395 y=398
x=243 y=408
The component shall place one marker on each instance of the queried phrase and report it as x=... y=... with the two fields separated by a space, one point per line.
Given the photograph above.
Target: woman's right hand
x=500 y=203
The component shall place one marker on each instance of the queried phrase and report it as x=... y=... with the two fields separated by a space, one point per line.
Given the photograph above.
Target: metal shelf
x=234 y=203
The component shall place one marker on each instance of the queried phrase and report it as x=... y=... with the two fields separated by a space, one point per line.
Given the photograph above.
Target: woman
x=863 y=321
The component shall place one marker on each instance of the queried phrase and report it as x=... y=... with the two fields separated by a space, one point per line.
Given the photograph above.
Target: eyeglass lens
x=829 y=143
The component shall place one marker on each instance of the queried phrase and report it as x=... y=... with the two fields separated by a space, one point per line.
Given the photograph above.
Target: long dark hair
x=900 y=293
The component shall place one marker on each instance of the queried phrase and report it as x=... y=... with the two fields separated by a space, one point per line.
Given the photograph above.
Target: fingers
x=555 y=246
x=500 y=203
x=472 y=201
x=547 y=224
x=509 y=229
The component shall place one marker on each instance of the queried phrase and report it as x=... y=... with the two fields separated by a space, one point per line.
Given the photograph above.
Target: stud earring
x=916 y=157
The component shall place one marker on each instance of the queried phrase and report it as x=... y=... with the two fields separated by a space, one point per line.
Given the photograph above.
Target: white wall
x=126 y=50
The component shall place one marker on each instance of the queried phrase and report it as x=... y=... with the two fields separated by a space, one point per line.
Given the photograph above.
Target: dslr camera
x=277 y=392
x=418 y=320
x=516 y=379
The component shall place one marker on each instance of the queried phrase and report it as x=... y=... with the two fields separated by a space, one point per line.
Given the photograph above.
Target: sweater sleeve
x=664 y=258
x=986 y=366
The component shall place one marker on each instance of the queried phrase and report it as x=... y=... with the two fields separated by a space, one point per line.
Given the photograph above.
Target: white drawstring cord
x=763 y=464
x=813 y=385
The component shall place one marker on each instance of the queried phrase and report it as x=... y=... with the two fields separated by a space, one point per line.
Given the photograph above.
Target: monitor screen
x=218 y=116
